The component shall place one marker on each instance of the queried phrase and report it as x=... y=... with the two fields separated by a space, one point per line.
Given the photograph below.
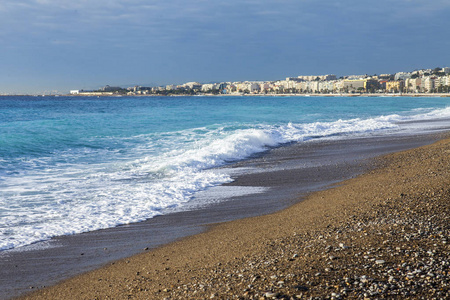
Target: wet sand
x=178 y=269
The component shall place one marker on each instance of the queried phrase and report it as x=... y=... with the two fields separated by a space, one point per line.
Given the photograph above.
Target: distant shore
x=382 y=234
x=97 y=94
x=269 y=95
x=353 y=95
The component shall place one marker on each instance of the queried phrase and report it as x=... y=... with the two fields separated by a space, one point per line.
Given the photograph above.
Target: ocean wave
x=432 y=114
x=76 y=191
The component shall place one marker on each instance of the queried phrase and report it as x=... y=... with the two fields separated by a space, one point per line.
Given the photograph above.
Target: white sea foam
x=432 y=114
x=68 y=193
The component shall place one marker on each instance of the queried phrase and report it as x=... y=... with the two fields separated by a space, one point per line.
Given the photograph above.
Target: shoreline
x=109 y=95
x=426 y=95
x=152 y=274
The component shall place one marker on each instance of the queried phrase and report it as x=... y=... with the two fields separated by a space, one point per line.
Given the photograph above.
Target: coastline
x=107 y=95
x=163 y=272
x=426 y=95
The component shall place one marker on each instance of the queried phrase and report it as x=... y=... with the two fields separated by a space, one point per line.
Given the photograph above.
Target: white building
x=193 y=85
x=402 y=76
x=320 y=77
x=264 y=86
x=428 y=84
x=412 y=84
x=356 y=77
x=310 y=86
x=338 y=86
x=326 y=86
x=209 y=87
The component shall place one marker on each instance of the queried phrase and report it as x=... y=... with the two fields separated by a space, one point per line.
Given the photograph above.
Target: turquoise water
x=75 y=164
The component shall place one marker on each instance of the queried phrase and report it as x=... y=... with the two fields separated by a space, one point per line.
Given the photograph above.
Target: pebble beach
x=381 y=235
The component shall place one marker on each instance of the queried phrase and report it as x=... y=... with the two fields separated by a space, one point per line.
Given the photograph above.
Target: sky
x=59 y=45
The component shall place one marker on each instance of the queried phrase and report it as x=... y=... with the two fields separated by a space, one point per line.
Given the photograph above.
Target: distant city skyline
x=55 y=45
x=425 y=81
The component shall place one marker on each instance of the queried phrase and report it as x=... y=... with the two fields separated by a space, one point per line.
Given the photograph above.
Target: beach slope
x=384 y=234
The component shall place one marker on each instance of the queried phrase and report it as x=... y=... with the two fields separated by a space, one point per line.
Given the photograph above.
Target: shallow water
x=263 y=184
x=72 y=164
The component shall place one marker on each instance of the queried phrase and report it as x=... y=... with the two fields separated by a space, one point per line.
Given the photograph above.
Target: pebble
x=270 y=295
x=408 y=232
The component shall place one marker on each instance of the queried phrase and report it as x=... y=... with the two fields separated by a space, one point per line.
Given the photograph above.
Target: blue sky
x=60 y=45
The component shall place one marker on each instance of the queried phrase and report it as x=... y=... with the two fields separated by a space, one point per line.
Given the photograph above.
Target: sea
x=70 y=165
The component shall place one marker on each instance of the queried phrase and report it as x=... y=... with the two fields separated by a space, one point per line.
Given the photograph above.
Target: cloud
x=201 y=25
x=188 y=36
x=176 y=19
